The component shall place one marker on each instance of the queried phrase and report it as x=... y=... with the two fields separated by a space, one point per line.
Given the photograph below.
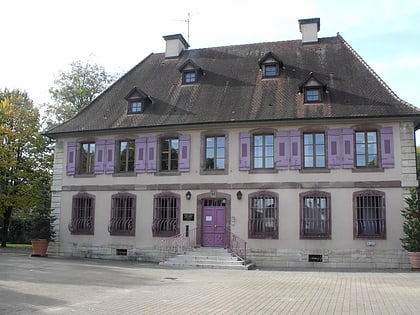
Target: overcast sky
x=40 y=38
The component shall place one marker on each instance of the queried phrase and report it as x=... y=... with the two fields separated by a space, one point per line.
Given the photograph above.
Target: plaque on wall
x=188 y=216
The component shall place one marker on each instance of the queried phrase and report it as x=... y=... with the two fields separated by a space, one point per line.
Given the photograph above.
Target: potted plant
x=411 y=228
x=42 y=231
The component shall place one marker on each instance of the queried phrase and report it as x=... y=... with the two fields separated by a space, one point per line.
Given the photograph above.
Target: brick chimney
x=175 y=44
x=309 y=29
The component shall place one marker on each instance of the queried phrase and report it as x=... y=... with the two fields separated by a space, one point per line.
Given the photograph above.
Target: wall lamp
x=188 y=195
x=239 y=195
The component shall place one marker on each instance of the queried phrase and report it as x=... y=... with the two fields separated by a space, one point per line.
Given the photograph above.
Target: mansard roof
x=233 y=89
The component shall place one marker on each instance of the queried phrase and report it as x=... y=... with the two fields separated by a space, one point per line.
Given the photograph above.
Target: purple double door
x=214 y=218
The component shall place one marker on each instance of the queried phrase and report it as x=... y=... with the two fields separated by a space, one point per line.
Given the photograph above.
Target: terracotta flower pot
x=414 y=258
x=39 y=248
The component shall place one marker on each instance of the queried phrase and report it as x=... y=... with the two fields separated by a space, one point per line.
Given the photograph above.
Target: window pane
x=360 y=137
x=221 y=142
x=210 y=142
x=258 y=141
x=308 y=138
x=309 y=162
x=258 y=151
x=319 y=138
x=258 y=162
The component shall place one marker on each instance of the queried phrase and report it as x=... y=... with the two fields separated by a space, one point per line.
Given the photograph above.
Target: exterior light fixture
x=239 y=195
x=188 y=195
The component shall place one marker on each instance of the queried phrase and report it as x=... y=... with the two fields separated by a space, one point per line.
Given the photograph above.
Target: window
x=314 y=150
x=215 y=153
x=369 y=214
x=189 y=77
x=271 y=70
x=83 y=214
x=312 y=95
x=315 y=213
x=263 y=213
x=166 y=215
x=169 y=149
x=123 y=214
x=263 y=151
x=135 y=107
x=366 y=149
x=87 y=158
x=126 y=156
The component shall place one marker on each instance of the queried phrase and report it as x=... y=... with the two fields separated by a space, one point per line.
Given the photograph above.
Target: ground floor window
x=263 y=215
x=369 y=214
x=83 y=214
x=315 y=213
x=166 y=215
x=123 y=214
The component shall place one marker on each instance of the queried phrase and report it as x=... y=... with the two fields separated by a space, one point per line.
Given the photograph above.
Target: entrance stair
x=208 y=257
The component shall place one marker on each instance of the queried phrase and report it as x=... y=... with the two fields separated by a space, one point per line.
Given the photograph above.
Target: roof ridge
x=370 y=69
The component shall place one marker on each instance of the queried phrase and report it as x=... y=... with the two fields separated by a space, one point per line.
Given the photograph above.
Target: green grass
x=18 y=246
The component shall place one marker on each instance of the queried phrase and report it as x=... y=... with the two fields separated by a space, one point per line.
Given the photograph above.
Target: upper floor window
x=166 y=215
x=314 y=150
x=83 y=214
x=315 y=215
x=270 y=64
x=189 y=77
x=312 y=95
x=271 y=70
x=263 y=149
x=169 y=151
x=123 y=214
x=263 y=215
x=126 y=150
x=135 y=107
x=215 y=153
x=369 y=214
x=87 y=158
x=366 y=143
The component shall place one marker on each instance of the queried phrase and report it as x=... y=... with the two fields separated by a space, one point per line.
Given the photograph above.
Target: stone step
x=207 y=257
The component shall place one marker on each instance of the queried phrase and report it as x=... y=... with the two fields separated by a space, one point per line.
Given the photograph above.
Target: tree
x=25 y=158
x=76 y=89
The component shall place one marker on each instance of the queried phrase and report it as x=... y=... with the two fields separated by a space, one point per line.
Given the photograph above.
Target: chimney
x=175 y=44
x=309 y=29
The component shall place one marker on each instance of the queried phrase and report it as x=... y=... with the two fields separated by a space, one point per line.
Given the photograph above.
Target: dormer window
x=313 y=90
x=189 y=77
x=137 y=101
x=190 y=72
x=270 y=65
x=135 y=107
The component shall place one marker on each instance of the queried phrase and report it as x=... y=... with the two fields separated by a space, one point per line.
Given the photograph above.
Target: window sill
x=84 y=175
x=315 y=237
x=315 y=170
x=368 y=170
x=168 y=173
x=263 y=171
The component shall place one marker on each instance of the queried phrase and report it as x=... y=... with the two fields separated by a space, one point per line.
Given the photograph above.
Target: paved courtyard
x=34 y=285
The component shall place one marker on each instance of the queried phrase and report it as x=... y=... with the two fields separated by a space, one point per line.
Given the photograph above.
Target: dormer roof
x=270 y=57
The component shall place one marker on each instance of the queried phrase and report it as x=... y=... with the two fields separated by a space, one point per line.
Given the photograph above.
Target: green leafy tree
x=75 y=89
x=411 y=224
x=25 y=159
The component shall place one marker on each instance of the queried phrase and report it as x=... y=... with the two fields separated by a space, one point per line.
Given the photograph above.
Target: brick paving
x=34 y=285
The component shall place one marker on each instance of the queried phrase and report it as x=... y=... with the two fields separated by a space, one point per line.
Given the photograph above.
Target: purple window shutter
x=387 y=147
x=295 y=155
x=184 y=153
x=244 y=151
x=110 y=156
x=334 y=148
x=348 y=148
x=282 y=150
x=71 y=158
x=141 y=145
x=100 y=159
x=151 y=153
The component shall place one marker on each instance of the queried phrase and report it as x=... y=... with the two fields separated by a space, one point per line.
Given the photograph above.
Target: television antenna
x=188 y=26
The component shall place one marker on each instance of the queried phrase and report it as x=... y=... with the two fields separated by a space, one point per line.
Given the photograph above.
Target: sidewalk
x=34 y=285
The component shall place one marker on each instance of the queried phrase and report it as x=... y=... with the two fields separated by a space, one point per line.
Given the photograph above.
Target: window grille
x=166 y=215
x=123 y=215
x=369 y=213
x=83 y=214
x=315 y=215
x=263 y=213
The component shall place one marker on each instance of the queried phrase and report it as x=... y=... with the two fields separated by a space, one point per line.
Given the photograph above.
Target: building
x=297 y=147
